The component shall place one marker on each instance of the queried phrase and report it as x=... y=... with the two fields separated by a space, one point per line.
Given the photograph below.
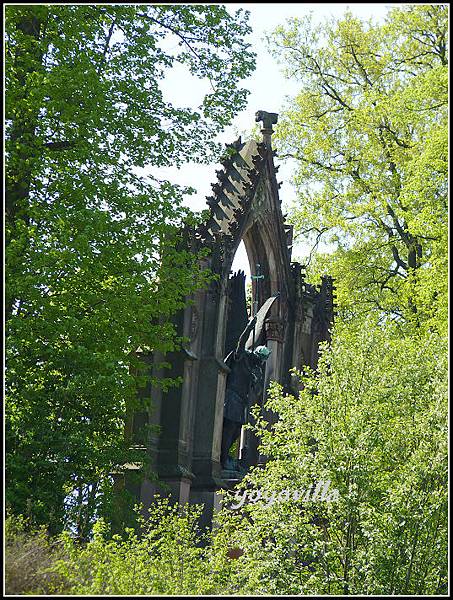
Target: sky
x=268 y=89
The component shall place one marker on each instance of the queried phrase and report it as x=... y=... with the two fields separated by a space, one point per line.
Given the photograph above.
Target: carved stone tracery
x=244 y=205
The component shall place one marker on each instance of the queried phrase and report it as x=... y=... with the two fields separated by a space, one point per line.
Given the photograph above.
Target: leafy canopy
x=95 y=267
x=368 y=137
x=372 y=421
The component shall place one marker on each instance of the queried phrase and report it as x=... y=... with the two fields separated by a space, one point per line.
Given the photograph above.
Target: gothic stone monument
x=245 y=205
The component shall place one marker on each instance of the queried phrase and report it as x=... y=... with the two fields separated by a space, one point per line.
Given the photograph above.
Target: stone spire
x=268 y=119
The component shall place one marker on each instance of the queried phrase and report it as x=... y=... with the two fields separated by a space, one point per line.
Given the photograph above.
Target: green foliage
x=96 y=270
x=368 y=134
x=169 y=556
x=95 y=263
x=373 y=422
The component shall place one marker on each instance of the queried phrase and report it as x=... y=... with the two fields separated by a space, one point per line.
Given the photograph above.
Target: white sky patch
x=241 y=262
x=268 y=90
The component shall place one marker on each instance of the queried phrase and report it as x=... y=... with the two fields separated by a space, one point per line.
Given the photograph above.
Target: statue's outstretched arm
x=245 y=335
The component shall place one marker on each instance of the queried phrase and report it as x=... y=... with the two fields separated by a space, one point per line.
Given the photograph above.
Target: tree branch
x=106 y=47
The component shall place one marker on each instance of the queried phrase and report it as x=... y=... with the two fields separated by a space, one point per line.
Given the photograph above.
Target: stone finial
x=268 y=119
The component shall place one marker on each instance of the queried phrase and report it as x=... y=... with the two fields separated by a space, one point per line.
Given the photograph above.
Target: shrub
x=30 y=558
x=167 y=556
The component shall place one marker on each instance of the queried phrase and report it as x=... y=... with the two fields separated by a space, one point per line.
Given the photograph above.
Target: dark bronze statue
x=243 y=386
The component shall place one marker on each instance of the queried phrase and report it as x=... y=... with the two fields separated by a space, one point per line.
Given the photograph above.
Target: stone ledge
x=172 y=471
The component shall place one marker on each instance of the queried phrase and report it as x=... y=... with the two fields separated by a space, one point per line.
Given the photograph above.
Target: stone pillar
x=210 y=395
x=275 y=329
x=172 y=412
x=302 y=344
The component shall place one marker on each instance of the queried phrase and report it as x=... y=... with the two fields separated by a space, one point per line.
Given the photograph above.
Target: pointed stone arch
x=245 y=205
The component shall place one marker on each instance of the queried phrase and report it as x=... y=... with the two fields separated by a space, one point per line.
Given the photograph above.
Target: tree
x=373 y=422
x=94 y=266
x=368 y=134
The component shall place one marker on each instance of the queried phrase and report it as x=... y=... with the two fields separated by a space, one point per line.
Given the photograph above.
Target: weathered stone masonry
x=245 y=205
